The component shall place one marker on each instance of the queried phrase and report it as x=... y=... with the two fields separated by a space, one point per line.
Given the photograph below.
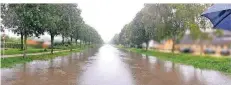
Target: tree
x=125 y=35
x=74 y=21
x=52 y=20
x=24 y=19
x=60 y=19
x=161 y=22
x=219 y=33
x=89 y=35
x=197 y=26
x=139 y=33
x=115 y=39
x=35 y=19
x=76 y=34
x=182 y=17
x=154 y=20
x=11 y=21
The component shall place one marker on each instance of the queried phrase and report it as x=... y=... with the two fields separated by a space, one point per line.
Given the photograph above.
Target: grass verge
x=12 y=51
x=11 y=61
x=203 y=62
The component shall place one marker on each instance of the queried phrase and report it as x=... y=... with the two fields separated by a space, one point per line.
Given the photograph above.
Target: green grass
x=31 y=49
x=12 y=51
x=11 y=61
x=222 y=64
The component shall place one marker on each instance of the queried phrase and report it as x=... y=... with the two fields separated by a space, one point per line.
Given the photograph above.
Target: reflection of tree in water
x=51 y=67
x=193 y=76
x=158 y=64
x=169 y=77
x=146 y=72
x=24 y=67
x=24 y=70
x=147 y=75
x=143 y=72
x=147 y=58
x=70 y=58
x=62 y=62
x=131 y=54
x=147 y=63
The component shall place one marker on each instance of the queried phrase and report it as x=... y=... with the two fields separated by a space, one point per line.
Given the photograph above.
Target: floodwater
x=108 y=65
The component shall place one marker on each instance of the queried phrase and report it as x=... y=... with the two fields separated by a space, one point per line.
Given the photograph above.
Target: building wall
x=167 y=45
x=198 y=48
x=32 y=42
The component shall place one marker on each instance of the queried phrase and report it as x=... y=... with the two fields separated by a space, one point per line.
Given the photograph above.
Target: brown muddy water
x=108 y=65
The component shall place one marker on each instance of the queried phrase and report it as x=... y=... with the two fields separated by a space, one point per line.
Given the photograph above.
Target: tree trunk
x=71 y=44
x=173 y=46
x=86 y=43
x=25 y=39
x=76 y=42
x=62 y=39
x=21 y=48
x=201 y=48
x=80 y=43
x=146 y=46
x=25 y=46
x=173 y=66
x=52 y=43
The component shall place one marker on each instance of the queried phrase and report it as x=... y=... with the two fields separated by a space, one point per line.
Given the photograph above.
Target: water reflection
x=159 y=72
x=107 y=69
x=109 y=66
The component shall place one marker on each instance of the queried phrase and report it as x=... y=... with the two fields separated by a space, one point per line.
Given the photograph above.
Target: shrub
x=11 y=45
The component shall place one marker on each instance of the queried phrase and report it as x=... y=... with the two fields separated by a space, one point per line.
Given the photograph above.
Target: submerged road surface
x=108 y=65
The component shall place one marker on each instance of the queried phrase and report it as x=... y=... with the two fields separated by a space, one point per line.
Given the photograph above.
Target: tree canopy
x=160 y=22
x=56 y=19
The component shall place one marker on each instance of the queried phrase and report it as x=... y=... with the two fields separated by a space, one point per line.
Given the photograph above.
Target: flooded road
x=108 y=65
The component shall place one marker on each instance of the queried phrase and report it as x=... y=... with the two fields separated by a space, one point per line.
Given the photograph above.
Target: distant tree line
x=164 y=21
x=56 y=19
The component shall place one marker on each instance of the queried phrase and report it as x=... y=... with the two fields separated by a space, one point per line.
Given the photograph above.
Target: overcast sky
x=108 y=17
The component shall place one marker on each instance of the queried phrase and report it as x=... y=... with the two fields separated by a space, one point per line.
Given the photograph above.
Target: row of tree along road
x=165 y=21
x=56 y=19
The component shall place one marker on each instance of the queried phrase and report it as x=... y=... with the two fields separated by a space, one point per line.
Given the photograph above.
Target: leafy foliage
x=56 y=19
x=160 y=22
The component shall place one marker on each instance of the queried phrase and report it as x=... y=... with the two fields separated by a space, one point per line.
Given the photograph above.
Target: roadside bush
x=18 y=45
x=11 y=45
x=60 y=46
